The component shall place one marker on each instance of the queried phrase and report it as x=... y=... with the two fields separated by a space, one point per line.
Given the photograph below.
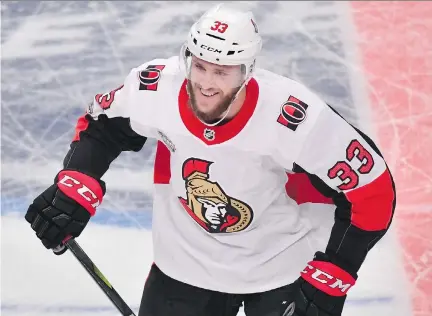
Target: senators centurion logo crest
x=208 y=204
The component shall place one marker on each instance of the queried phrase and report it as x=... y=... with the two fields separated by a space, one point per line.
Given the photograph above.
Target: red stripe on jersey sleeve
x=162 y=167
x=301 y=190
x=81 y=125
x=372 y=204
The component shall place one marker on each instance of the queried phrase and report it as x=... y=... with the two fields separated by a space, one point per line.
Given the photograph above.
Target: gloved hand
x=320 y=290
x=64 y=209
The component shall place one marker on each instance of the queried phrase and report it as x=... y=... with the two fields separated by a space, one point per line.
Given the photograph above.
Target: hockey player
x=227 y=229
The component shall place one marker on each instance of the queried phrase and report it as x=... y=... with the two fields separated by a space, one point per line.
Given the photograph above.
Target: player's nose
x=207 y=82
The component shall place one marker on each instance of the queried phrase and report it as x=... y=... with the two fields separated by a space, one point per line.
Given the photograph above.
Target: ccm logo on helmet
x=211 y=49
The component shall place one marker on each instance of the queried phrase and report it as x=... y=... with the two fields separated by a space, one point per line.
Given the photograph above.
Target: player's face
x=212 y=88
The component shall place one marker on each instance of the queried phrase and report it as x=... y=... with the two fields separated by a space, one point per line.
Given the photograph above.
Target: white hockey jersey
x=222 y=219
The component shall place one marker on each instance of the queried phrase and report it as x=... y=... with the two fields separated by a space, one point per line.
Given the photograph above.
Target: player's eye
x=220 y=73
x=199 y=67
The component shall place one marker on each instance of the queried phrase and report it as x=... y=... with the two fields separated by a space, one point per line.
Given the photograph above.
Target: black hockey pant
x=164 y=296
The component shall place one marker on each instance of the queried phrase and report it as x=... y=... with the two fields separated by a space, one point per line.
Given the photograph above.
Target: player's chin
x=207 y=114
x=208 y=105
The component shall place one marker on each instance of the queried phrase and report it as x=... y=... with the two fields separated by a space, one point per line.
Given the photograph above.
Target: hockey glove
x=64 y=209
x=320 y=291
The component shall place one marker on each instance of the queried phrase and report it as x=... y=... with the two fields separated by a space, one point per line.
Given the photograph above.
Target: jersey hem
x=228 y=290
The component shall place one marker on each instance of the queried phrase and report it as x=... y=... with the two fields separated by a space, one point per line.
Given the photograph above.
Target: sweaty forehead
x=207 y=64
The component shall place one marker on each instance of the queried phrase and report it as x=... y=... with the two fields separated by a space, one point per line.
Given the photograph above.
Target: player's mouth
x=208 y=94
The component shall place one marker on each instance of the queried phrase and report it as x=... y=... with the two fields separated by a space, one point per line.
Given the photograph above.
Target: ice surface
x=57 y=55
x=397 y=51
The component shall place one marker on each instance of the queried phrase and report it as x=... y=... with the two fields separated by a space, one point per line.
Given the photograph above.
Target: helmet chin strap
x=229 y=107
x=186 y=69
x=223 y=117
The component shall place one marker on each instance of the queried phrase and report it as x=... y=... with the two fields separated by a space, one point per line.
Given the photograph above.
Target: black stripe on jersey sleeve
x=100 y=143
x=348 y=245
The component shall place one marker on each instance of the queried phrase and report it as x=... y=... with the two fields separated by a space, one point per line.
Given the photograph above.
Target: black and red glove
x=64 y=209
x=321 y=290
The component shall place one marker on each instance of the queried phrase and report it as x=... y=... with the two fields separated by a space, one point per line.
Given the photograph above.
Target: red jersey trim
x=300 y=189
x=228 y=130
x=81 y=125
x=162 y=165
x=372 y=204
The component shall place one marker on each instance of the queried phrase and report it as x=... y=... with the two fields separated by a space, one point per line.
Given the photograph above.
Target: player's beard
x=215 y=114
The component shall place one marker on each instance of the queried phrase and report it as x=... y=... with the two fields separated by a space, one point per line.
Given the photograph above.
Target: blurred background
x=371 y=60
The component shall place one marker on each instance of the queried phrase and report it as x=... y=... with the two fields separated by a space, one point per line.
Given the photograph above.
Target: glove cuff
x=82 y=188
x=328 y=278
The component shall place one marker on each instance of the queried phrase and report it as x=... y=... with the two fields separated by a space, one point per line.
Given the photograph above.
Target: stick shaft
x=99 y=278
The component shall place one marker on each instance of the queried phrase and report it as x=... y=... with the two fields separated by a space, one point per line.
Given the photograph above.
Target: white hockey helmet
x=224 y=36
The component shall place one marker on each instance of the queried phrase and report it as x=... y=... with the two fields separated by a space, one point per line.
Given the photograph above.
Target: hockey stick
x=98 y=277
